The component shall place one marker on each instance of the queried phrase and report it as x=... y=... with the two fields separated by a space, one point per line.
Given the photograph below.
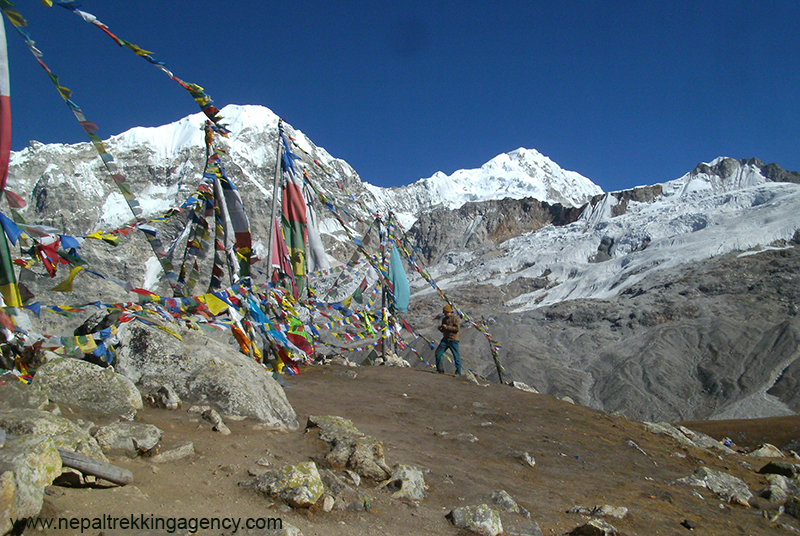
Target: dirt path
x=464 y=436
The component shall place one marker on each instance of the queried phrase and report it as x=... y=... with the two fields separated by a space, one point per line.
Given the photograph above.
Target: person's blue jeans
x=453 y=346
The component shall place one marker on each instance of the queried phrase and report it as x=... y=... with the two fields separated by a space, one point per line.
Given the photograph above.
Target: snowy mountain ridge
x=164 y=163
x=615 y=244
x=251 y=147
x=517 y=174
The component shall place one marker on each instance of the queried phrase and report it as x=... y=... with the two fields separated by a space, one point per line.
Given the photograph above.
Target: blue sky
x=625 y=93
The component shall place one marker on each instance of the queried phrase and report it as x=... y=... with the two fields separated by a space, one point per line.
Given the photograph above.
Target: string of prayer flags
x=91 y=128
x=197 y=92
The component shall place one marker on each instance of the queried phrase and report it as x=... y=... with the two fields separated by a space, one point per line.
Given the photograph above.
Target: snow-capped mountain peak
x=516 y=174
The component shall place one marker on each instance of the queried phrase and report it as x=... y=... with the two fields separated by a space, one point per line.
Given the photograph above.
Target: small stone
x=327 y=503
x=480 y=519
x=767 y=451
x=408 y=483
x=178 y=453
x=466 y=438
x=502 y=499
x=354 y=478
x=792 y=506
x=786 y=469
x=525 y=458
x=595 y=527
x=217 y=424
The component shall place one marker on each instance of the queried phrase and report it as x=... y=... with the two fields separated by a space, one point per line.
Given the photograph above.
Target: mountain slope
x=578 y=286
x=668 y=302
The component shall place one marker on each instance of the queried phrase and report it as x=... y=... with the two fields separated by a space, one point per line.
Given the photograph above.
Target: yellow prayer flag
x=215 y=305
x=66 y=285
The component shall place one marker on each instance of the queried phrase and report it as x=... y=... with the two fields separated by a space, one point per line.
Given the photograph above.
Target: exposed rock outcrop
x=204 y=370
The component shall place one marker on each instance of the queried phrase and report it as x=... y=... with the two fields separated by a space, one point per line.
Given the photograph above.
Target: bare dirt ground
x=583 y=457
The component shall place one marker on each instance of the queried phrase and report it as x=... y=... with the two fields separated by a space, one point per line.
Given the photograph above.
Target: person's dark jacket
x=450 y=326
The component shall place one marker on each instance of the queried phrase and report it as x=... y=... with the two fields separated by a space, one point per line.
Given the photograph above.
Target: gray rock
x=165 y=397
x=595 y=527
x=127 y=438
x=529 y=529
x=523 y=387
x=502 y=499
x=786 y=469
x=333 y=484
x=767 y=451
x=349 y=448
x=792 y=506
x=86 y=385
x=204 y=370
x=467 y=438
x=726 y=486
x=217 y=424
x=600 y=510
x=174 y=454
x=65 y=433
x=15 y=394
x=479 y=519
x=298 y=485
x=774 y=493
x=524 y=457
x=27 y=465
x=408 y=483
x=687 y=437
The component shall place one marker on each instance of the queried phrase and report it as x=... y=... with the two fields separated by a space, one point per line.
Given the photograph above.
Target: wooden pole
x=275 y=190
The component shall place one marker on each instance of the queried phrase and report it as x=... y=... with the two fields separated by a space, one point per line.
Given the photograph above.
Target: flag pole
x=275 y=190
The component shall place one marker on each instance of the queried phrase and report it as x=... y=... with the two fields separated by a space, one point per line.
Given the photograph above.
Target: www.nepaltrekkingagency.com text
x=152 y=522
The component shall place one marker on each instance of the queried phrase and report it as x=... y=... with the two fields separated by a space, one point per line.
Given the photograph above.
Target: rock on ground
x=349 y=448
x=65 y=433
x=27 y=465
x=127 y=438
x=479 y=519
x=408 y=483
x=204 y=370
x=298 y=485
x=86 y=385
x=726 y=486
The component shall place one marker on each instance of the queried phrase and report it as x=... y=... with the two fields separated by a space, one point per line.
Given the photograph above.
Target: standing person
x=449 y=328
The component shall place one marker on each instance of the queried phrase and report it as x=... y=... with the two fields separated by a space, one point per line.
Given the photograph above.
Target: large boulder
x=86 y=385
x=201 y=369
x=65 y=434
x=27 y=465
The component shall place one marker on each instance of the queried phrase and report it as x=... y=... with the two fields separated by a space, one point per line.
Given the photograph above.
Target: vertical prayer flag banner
x=8 y=279
x=399 y=280
x=5 y=109
x=294 y=220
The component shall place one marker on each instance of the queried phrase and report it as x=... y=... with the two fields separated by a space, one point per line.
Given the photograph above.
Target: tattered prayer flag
x=14 y=200
x=11 y=229
x=294 y=229
x=66 y=285
x=35 y=307
x=215 y=305
x=280 y=256
x=86 y=343
x=69 y=242
x=399 y=280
